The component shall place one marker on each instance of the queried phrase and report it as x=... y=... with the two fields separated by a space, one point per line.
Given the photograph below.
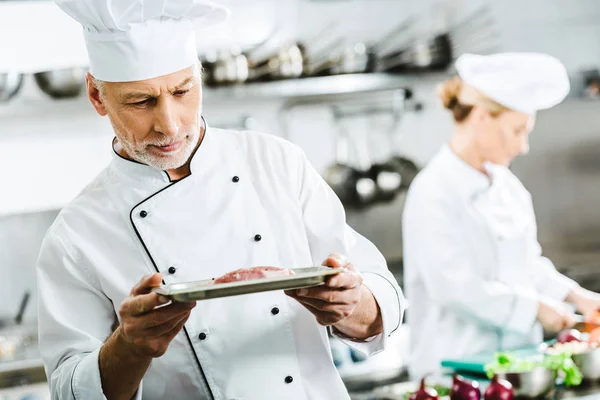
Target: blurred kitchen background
x=350 y=81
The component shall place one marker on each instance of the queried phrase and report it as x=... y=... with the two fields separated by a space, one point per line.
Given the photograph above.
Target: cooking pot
x=62 y=83
x=10 y=84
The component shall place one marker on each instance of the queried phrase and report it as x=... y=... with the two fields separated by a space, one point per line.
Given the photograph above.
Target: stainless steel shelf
x=307 y=88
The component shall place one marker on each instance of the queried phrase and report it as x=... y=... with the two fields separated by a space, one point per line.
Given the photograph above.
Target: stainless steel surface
x=10 y=84
x=353 y=85
x=589 y=364
x=536 y=383
x=204 y=290
x=62 y=83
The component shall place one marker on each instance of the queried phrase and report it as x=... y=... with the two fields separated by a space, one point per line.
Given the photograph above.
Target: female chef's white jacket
x=252 y=199
x=473 y=266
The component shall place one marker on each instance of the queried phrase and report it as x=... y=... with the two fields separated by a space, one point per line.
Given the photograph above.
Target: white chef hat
x=131 y=40
x=525 y=82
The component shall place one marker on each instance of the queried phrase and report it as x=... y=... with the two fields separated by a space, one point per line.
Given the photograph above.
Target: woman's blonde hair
x=460 y=98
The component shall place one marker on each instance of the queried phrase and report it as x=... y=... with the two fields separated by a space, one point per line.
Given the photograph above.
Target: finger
x=323 y=318
x=330 y=295
x=338 y=309
x=335 y=260
x=176 y=329
x=146 y=284
x=168 y=326
x=163 y=315
x=569 y=322
x=345 y=280
x=143 y=303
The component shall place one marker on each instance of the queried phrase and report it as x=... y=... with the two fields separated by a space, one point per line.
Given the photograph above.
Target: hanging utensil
x=354 y=57
x=10 y=84
x=230 y=68
x=286 y=64
x=62 y=83
x=8 y=322
x=424 y=55
x=340 y=176
x=365 y=187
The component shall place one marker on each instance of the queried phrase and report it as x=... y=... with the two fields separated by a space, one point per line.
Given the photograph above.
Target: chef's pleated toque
x=525 y=82
x=133 y=40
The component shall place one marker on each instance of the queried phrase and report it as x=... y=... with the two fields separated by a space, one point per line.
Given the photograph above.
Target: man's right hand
x=146 y=329
x=553 y=317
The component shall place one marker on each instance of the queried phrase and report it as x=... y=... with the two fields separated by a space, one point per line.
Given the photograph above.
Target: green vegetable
x=561 y=363
x=564 y=363
x=508 y=362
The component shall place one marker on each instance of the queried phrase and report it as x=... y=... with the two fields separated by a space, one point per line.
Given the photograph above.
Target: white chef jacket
x=474 y=270
x=131 y=220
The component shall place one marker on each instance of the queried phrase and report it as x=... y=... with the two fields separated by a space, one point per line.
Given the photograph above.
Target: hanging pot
x=340 y=176
x=365 y=187
x=62 y=83
x=10 y=84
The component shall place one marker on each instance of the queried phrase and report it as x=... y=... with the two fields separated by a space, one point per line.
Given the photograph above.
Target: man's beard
x=142 y=151
x=145 y=151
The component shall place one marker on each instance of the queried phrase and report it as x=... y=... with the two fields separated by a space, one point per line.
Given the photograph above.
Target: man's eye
x=181 y=92
x=141 y=103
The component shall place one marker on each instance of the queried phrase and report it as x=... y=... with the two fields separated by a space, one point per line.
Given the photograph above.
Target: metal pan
x=205 y=290
x=10 y=84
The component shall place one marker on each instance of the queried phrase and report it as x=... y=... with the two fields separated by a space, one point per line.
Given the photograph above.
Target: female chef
x=474 y=270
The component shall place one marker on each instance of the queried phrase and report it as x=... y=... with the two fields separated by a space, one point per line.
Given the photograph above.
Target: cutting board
x=476 y=364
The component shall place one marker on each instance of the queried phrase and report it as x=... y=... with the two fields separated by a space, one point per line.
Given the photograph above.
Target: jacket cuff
x=391 y=305
x=86 y=383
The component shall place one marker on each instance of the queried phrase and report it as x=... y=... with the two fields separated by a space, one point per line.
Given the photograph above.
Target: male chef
x=182 y=201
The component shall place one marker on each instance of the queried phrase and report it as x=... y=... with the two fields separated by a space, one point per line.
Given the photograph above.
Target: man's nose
x=166 y=121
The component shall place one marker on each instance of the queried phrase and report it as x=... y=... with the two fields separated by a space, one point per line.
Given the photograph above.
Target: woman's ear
x=479 y=115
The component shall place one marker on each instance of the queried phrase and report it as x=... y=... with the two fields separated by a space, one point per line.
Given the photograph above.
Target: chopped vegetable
x=570 y=335
x=564 y=363
x=561 y=363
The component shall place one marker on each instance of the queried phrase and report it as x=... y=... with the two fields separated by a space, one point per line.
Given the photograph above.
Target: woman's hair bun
x=449 y=92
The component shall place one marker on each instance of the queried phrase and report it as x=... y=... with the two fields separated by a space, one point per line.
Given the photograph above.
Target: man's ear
x=94 y=94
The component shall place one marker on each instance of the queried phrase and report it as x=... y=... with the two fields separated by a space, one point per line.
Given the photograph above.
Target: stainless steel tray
x=204 y=290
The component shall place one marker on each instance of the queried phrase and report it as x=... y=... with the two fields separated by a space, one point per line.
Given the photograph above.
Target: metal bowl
x=62 y=83
x=589 y=364
x=537 y=383
x=10 y=84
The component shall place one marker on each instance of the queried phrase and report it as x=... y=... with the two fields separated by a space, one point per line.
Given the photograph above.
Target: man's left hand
x=337 y=299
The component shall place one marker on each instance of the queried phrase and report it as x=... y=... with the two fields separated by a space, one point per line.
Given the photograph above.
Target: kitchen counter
x=397 y=392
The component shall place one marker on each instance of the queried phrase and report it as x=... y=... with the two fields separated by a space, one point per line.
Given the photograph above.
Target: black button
x=274 y=310
x=202 y=336
x=235 y=179
x=143 y=213
x=257 y=238
x=172 y=270
x=289 y=379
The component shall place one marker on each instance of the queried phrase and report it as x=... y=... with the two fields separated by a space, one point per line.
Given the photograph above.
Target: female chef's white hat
x=131 y=40
x=525 y=82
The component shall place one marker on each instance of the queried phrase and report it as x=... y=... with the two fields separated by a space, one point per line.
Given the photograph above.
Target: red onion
x=463 y=389
x=424 y=393
x=570 y=335
x=499 y=389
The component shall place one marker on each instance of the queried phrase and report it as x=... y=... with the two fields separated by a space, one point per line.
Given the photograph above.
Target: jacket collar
x=142 y=172
x=465 y=179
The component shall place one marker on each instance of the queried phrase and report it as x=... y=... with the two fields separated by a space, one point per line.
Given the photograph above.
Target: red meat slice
x=247 y=274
